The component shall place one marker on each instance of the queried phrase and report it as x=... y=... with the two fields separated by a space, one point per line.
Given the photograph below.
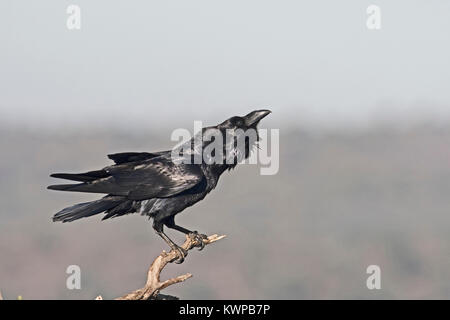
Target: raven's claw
x=198 y=237
x=181 y=254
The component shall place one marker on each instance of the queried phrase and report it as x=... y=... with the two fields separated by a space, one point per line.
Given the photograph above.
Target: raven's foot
x=182 y=253
x=198 y=237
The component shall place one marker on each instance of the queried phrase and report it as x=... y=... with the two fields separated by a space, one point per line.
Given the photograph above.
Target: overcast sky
x=154 y=63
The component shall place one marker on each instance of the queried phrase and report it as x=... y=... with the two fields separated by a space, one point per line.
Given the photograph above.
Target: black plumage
x=157 y=184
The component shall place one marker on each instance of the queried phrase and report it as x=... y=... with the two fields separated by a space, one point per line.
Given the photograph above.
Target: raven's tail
x=87 y=209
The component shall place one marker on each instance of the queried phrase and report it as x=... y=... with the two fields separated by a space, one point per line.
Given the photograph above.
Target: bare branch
x=153 y=285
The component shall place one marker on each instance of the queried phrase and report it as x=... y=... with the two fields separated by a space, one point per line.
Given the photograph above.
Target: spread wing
x=157 y=177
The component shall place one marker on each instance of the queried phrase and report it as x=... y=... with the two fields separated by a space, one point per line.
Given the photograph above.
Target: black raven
x=162 y=184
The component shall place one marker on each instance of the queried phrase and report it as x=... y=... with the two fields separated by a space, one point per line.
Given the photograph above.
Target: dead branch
x=153 y=286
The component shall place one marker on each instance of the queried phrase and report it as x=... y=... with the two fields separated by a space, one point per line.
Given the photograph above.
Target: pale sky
x=159 y=63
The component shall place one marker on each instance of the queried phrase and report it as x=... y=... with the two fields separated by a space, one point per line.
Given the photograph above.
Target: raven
x=162 y=184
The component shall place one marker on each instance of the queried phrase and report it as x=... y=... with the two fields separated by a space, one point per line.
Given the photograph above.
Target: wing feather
x=157 y=177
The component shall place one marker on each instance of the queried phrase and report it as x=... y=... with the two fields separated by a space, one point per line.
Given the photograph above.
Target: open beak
x=254 y=117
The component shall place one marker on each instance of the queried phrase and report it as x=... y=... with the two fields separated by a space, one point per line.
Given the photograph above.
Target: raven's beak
x=255 y=116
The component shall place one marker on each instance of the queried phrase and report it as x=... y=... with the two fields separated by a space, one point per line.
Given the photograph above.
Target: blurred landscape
x=342 y=200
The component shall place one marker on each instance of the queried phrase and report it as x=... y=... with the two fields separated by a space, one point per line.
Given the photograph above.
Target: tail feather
x=64 y=187
x=83 y=177
x=87 y=209
x=125 y=207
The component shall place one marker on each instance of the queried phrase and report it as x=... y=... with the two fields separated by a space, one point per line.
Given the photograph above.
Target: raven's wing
x=118 y=158
x=157 y=177
x=125 y=157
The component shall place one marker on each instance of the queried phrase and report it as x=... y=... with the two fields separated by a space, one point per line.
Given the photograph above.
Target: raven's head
x=241 y=136
x=225 y=145
x=249 y=121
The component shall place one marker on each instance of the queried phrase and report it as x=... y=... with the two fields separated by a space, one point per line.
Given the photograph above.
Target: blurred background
x=364 y=120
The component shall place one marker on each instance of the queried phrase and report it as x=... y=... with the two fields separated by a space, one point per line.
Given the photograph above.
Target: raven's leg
x=159 y=227
x=170 y=223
